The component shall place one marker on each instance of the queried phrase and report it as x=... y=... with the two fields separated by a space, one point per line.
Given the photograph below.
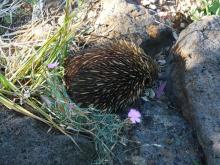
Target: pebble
x=162 y=14
x=172 y=9
x=151 y=6
x=145 y=2
x=185 y=8
x=182 y=25
x=153 y=1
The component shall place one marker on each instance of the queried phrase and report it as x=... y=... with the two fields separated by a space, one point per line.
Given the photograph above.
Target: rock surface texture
x=195 y=82
x=162 y=138
x=125 y=19
x=26 y=141
x=118 y=18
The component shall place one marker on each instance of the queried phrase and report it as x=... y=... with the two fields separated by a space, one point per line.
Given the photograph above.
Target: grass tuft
x=29 y=87
x=209 y=7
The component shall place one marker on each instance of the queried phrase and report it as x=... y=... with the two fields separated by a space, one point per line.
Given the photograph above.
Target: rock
x=145 y=2
x=162 y=137
x=38 y=10
x=124 y=19
x=24 y=140
x=152 y=6
x=50 y=6
x=195 y=82
x=153 y=1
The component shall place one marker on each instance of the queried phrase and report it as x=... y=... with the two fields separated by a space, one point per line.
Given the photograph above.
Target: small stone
x=172 y=9
x=185 y=8
x=182 y=25
x=145 y=2
x=151 y=6
x=37 y=12
x=162 y=14
x=27 y=94
x=153 y=1
x=149 y=93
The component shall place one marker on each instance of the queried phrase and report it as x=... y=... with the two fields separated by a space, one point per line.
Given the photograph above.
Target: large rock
x=26 y=141
x=162 y=137
x=121 y=17
x=195 y=82
x=125 y=19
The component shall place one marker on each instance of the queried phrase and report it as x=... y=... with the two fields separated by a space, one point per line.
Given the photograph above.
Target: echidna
x=110 y=76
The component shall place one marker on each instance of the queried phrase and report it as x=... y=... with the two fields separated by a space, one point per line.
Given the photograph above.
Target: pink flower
x=134 y=116
x=53 y=65
x=160 y=90
x=71 y=106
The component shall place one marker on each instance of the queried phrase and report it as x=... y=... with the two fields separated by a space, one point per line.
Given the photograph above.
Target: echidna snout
x=110 y=76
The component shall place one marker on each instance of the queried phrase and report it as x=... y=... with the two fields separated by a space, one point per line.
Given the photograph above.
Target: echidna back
x=109 y=77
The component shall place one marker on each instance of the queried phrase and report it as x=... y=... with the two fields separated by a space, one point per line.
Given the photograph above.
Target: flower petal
x=138 y=120
x=134 y=113
x=132 y=120
x=134 y=116
x=161 y=88
x=53 y=65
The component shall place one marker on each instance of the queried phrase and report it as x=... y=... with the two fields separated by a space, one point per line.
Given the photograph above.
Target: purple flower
x=134 y=116
x=53 y=65
x=71 y=106
x=160 y=90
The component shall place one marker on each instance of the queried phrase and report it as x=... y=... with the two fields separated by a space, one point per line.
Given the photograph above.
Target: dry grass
x=28 y=82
